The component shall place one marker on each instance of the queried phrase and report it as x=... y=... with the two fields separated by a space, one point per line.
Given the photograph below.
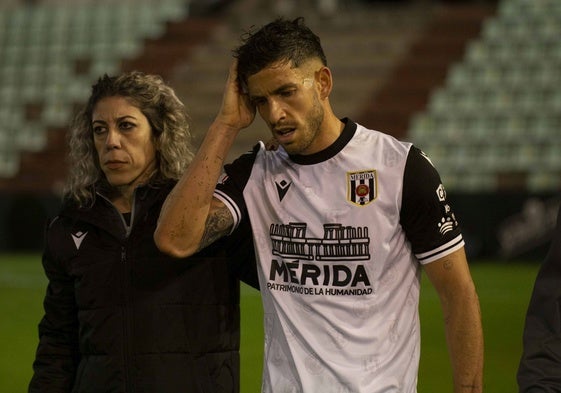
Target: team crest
x=362 y=187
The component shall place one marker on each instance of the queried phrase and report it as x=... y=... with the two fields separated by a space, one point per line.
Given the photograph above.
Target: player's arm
x=191 y=218
x=462 y=317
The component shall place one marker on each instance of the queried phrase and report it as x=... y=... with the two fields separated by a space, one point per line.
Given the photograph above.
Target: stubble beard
x=312 y=131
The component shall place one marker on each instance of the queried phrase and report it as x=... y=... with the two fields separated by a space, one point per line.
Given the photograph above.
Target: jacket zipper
x=127 y=320
x=127 y=329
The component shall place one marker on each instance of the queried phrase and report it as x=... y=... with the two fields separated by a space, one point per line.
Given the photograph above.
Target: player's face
x=288 y=100
x=123 y=141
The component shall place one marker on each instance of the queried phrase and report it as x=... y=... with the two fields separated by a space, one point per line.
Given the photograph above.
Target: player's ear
x=324 y=81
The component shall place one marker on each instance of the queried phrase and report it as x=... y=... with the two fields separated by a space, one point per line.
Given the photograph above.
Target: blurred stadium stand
x=51 y=52
x=495 y=124
x=471 y=82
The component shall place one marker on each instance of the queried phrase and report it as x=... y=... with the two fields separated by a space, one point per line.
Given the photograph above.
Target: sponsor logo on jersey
x=282 y=188
x=446 y=225
x=319 y=266
x=362 y=187
x=448 y=222
x=441 y=193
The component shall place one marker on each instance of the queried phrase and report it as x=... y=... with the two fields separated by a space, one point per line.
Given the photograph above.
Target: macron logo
x=78 y=238
x=282 y=188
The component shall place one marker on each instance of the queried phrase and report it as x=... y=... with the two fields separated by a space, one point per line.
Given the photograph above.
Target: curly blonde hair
x=166 y=115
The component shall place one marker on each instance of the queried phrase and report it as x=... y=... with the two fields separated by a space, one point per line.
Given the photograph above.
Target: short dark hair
x=280 y=40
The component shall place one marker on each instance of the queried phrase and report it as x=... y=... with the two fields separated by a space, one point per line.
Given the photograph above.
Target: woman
x=120 y=316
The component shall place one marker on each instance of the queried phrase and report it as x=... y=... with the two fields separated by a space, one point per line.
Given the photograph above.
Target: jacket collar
x=103 y=214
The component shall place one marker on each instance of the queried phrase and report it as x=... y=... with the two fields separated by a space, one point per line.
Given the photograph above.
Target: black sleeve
x=540 y=365
x=426 y=215
x=231 y=185
x=242 y=254
x=57 y=355
x=241 y=248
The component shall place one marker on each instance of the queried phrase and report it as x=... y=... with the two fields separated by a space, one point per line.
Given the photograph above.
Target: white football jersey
x=340 y=236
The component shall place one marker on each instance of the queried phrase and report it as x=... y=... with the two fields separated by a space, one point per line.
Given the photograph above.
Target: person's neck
x=331 y=128
x=122 y=198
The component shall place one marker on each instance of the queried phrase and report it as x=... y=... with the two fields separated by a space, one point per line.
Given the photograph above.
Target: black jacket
x=120 y=316
x=540 y=366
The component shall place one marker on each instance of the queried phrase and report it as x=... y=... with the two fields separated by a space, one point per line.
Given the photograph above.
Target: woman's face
x=124 y=142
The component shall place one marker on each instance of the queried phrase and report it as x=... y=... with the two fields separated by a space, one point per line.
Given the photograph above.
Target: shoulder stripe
x=445 y=249
x=231 y=205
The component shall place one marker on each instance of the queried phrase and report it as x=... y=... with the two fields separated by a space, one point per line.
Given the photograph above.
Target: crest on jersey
x=362 y=187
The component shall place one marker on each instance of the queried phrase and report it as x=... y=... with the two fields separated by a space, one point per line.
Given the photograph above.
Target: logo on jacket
x=78 y=238
x=282 y=188
x=362 y=187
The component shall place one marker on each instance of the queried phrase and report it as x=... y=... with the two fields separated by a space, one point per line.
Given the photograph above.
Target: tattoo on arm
x=218 y=224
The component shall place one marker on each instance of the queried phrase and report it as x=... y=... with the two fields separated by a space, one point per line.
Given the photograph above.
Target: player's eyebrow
x=276 y=91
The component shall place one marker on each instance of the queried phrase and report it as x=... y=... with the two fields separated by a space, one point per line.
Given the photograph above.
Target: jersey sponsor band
x=301 y=290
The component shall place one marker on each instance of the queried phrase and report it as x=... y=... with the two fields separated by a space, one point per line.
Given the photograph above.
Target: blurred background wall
x=472 y=83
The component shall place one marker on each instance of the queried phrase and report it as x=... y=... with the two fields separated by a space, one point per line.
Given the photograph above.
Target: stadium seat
x=50 y=55
x=31 y=137
x=499 y=109
x=9 y=163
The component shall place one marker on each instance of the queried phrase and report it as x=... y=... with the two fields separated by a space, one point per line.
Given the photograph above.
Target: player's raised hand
x=236 y=112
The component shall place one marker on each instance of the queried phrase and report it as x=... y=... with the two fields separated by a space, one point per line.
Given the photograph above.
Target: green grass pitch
x=504 y=291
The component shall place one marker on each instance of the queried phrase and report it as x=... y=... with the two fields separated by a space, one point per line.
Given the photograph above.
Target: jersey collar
x=332 y=150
